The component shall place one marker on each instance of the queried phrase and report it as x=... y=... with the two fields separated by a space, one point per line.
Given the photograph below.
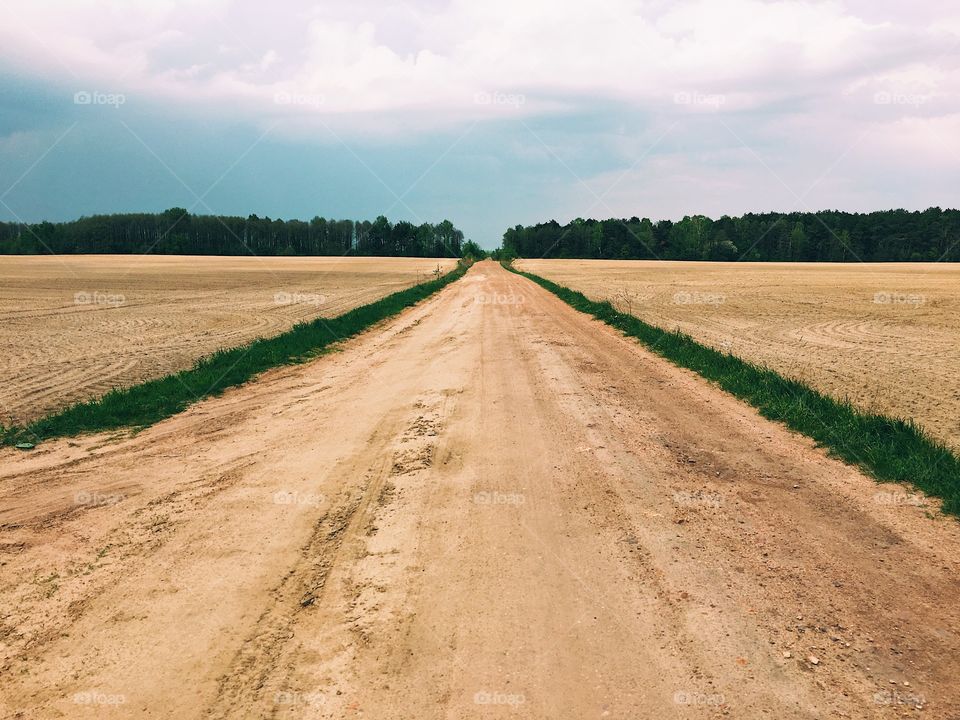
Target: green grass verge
x=889 y=449
x=149 y=402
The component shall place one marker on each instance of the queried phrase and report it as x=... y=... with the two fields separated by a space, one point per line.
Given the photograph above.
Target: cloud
x=463 y=61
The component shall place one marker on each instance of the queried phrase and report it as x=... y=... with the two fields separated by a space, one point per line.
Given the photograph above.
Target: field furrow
x=74 y=327
x=884 y=336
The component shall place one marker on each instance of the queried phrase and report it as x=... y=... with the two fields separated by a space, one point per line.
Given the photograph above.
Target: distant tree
x=832 y=236
x=798 y=243
x=472 y=251
x=176 y=231
x=722 y=248
x=377 y=237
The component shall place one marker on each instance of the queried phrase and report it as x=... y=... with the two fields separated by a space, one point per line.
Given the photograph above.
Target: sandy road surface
x=493 y=508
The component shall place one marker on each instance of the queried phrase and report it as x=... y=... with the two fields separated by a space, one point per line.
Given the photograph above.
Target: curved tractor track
x=490 y=506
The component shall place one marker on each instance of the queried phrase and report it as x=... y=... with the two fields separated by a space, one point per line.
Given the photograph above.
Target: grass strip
x=149 y=402
x=888 y=449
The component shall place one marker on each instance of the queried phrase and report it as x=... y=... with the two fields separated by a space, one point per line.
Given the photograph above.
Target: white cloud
x=554 y=54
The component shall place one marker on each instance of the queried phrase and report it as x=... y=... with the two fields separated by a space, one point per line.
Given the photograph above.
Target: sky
x=491 y=114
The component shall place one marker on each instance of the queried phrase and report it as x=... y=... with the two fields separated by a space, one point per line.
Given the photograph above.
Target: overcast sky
x=490 y=113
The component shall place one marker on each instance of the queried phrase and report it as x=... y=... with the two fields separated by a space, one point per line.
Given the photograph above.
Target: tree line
x=177 y=232
x=829 y=236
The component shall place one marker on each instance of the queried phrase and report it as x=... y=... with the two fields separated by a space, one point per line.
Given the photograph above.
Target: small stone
x=787 y=654
x=813 y=660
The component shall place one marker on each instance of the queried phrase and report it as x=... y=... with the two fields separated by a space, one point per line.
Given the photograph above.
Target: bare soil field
x=74 y=326
x=885 y=336
x=490 y=505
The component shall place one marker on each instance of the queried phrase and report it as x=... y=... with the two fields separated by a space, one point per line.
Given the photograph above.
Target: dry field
x=72 y=327
x=885 y=336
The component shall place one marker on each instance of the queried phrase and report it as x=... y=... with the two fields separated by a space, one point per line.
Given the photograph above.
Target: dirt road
x=492 y=506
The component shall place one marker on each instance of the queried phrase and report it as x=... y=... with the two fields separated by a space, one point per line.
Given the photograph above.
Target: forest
x=177 y=232
x=932 y=235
